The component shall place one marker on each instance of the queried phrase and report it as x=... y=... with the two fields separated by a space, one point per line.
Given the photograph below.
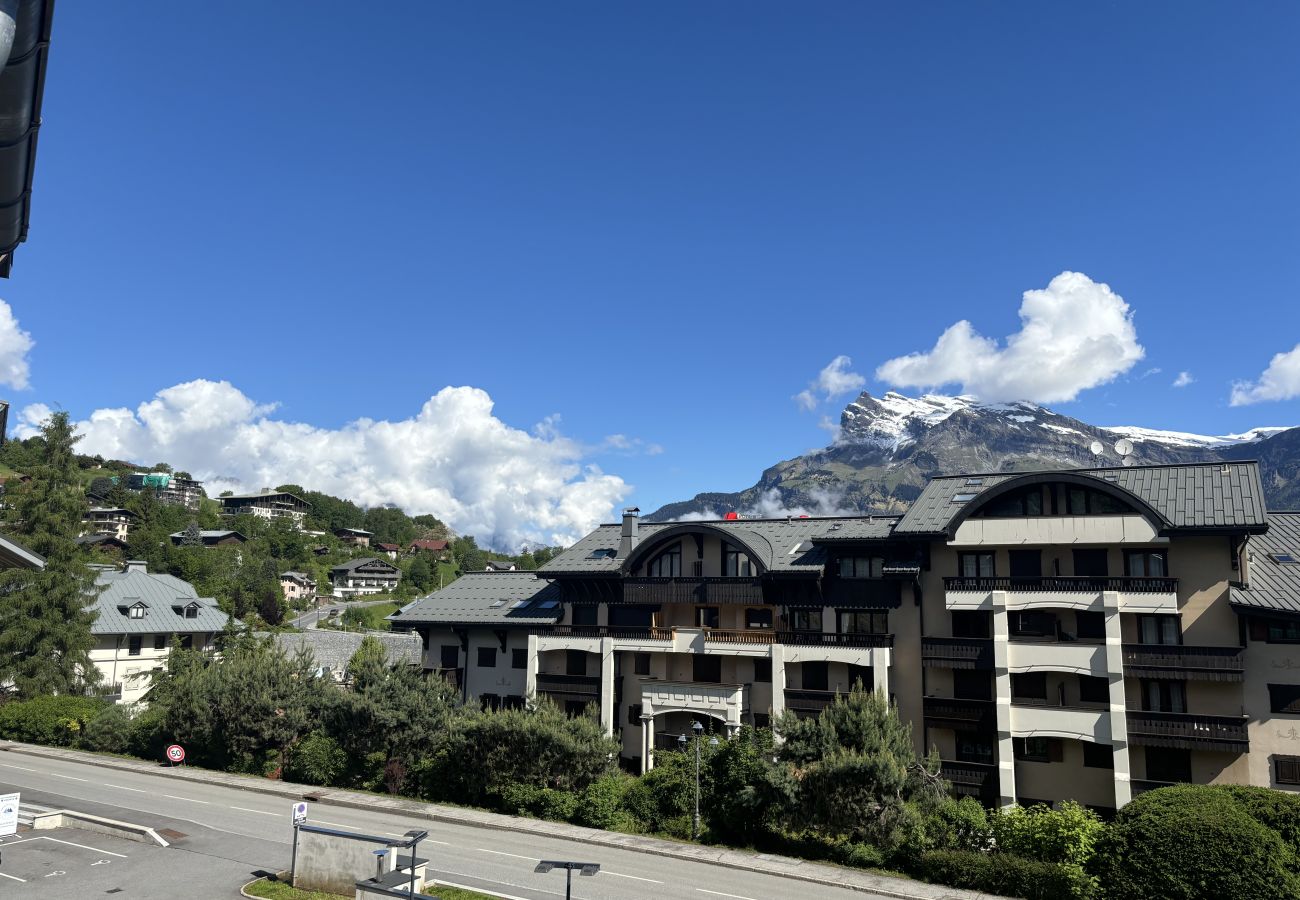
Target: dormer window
x=667 y=564
x=861 y=566
x=192 y=611
x=136 y=611
x=735 y=563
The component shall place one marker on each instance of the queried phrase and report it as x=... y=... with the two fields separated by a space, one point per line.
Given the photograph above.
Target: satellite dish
x=1123 y=446
x=1097 y=447
x=1129 y=461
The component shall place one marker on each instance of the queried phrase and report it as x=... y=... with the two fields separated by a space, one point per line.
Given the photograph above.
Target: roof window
x=518 y=603
x=497 y=604
x=602 y=553
x=549 y=604
x=1286 y=558
x=963 y=496
x=974 y=482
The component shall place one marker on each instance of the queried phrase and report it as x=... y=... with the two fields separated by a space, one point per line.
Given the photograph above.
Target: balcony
x=822 y=639
x=453 y=677
x=627 y=632
x=571 y=686
x=745 y=591
x=1033 y=717
x=751 y=636
x=1178 y=661
x=1136 y=595
x=957 y=653
x=970 y=779
x=1078 y=657
x=959 y=714
x=809 y=701
x=863 y=593
x=1185 y=731
x=1141 y=785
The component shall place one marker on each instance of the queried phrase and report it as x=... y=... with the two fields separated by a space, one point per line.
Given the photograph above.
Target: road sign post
x=299 y=816
x=175 y=754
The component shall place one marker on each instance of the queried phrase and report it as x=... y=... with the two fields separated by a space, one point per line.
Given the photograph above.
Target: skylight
x=972 y=482
x=963 y=497
x=1289 y=558
x=497 y=604
x=518 y=603
x=549 y=604
x=602 y=553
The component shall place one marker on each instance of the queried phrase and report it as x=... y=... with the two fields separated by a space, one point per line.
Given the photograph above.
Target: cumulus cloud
x=1075 y=334
x=1280 y=381
x=453 y=459
x=770 y=505
x=1183 y=379
x=835 y=380
x=15 y=344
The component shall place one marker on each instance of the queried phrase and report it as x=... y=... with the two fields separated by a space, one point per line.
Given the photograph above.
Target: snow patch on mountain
x=1138 y=434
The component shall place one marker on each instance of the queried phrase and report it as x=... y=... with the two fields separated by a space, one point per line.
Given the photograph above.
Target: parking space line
x=122 y=787
x=187 y=799
x=42 y=837
x=14 y=877
x=260 y=812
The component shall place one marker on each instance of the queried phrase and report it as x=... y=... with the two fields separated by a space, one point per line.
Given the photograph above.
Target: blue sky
x=659 y=221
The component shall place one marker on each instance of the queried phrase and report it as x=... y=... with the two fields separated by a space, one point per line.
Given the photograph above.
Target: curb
x=780 y=866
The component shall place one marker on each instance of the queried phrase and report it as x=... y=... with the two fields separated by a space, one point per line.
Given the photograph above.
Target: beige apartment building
x=111 y=521
x=1081 y=634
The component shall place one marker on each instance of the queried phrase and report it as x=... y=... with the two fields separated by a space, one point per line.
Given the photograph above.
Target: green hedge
x=1194 y=842
x=57 y=721
x=1002 y=873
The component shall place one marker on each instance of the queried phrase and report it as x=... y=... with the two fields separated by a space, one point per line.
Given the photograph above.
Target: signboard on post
x=299 y=813
x=176 y=754
x=8 y=814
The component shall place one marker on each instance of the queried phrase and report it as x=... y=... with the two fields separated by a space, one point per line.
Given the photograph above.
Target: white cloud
x=14 y=347
x=453 y=459
x=1183 y=379
x=1154 y=370
x=769 y=505
x=1280 y=381
x=1075 y=334
x=835 y=380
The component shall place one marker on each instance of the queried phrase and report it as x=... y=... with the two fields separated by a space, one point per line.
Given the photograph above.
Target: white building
x=367 y=575
x=267 y=504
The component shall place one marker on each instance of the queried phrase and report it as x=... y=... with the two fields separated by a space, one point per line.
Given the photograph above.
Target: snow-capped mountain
x=887 y=447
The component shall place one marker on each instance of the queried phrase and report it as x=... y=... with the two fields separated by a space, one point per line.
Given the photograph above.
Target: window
x=585 y=614
x=1165 y=764
x=762 y=720
x=864 y=622
x=1029 y=686
x=634 y=714
x=1026 y=563
x=1098 y=756
x=641 y=663
x=975 y=565
x=1163 y=630
x=1091 y=563
x=762 y=671
x=971 y=624
x=1275 y=631
x=963 y=497
x=1285 y=558
x=160 y=641
x=1146 y=564
x=861 y=566
x=631 y=616
x=136 y=612
x=449 y=656
x=1286 y=769
x=758 y=618
x=1163 y=696
x=735 y=564
x=487 y=657
x=602 y=553
x=1027 y=501
x=1090 y=626
x=575 y=662
x=1284 y=698
x=1094 y=689
x=519 y=658
x=974 y=747
x=667 y=564
x=706 y=668
x=133 y=645
x=806 y=619
x=706 y=617
x=972 y=684
x=574 y=708
x=1038 y=749
x=816 y=676
x=860 y=675
x=191 y=611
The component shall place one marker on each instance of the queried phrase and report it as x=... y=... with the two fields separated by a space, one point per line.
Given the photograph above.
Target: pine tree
x=45 y=619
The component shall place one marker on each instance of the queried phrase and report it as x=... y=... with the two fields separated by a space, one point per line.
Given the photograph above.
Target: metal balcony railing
x=693 y=590
x=1077 y=584
x=953 y=712
x=809 y=701
x=584 y=685
x=630 y=632
x=1182 y=661
x=1188 y=731
x=821 y=639
x=958 y=653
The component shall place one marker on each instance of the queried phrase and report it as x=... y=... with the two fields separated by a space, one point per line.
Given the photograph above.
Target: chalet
x=354 y=537
x=367 y=575
x=297 y=586
x=106 y=543
x=212 y=538
x=499 y=565
x=438 y=548
x=333 y=650
x=267 y=504
x=389 y=550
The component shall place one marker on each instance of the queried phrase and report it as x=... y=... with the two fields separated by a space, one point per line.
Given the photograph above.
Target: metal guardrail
x=1076 y=584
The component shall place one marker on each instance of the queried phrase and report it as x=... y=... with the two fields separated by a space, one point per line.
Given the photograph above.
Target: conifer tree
x=45 y=614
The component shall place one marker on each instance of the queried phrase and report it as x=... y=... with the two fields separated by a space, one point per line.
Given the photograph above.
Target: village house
x=212 y=538
x=297 y=586
x=389 y=550
x=354 y=537
x=333 y=650
x=108 y=520
x=499 y=565
x=440 y=549
x=267 y=504
x=367 y=575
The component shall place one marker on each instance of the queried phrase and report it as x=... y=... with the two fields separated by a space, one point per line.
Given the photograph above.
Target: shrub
x=54 y=720
x=1006 y=874
x=601 y=804
x=316 y=759
x=663 y=799
x=149 y=736
x=958 y=825
x=539 y=802
x=1065 y=835
x=108 y=731
x=1192 y=842
x=1278 y=810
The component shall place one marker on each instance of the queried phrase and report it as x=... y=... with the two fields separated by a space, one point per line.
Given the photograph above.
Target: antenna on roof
x=1096 y=447
x=1124 y=447
x=1129 y=461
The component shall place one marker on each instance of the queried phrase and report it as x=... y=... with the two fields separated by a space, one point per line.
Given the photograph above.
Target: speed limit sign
x=176 y=753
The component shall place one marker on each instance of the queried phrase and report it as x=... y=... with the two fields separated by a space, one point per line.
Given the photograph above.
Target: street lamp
x=583 y=868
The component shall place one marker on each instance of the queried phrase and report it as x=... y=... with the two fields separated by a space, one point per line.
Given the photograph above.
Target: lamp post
x=583 y=868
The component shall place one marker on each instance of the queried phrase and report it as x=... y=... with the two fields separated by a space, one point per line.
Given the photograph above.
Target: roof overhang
x=22 y=88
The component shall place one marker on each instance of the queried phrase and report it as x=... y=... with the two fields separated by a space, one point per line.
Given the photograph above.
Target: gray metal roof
x=22 y=86
x=353 y=564
x=1273 y=585
x=1196 y=496
x=335 y=648
x=214 y=534
x=14 y=555
x=161 y=595
x=486 y=598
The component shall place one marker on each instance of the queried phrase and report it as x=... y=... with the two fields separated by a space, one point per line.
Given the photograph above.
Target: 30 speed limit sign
x=176 y=753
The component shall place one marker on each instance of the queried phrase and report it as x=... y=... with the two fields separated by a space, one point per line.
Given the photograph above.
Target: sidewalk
x=770 y=864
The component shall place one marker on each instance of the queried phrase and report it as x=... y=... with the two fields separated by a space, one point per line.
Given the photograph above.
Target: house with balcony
x=367 y=575
x=475 y=633
x=108 y=520
x=137 y=615
x=267 y=504
x=216 y=537
x=297 y=586
x=354 y=537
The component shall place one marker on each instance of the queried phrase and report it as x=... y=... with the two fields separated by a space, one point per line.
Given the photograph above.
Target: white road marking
x=25 y=769
x=634 y=877
x=122 y=787
x=69 y=777
x=14 y=877
x=260 y=812
x=70 y=844
x=720 y=894
x=493 y=891
x=515 y=855
x=187 y=799
x=334 y=824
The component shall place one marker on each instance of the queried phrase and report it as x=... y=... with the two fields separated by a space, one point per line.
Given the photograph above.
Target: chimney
x=627 y=540
x=137 y=565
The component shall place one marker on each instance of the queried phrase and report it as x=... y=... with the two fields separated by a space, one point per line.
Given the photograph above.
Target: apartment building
x=137 y=614
x=267 y=504
x=1079 y=634
x=367 y=575
x=169 y=488
x=110 y=521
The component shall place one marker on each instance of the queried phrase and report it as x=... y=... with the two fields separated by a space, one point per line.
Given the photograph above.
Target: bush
x=662 y=800
x=57 y=721
x=149 y=736
x=1065 y=835
x=1005 y=874
x=539 y=802
x=1193 y=842
x=958 y=825
x=1277 y=810
x=109 y=731
x=601 y=804
x=316 y=759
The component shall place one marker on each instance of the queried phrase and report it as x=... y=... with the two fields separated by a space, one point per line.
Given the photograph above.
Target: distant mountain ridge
x=889 y=446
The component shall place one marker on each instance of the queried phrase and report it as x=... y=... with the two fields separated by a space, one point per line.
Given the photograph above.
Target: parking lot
x=68 y=862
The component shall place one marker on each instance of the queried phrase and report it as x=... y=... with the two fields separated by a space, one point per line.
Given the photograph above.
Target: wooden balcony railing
x=751 y=636
x=1080 y=584
x=821 y=639
x=971 y=779
x=1187 y=731
x=583 y=685
x=952 y=712
x=693 y=590
x=630 y=632
x=958 y=653
x=809 y=701
x=1198 y=663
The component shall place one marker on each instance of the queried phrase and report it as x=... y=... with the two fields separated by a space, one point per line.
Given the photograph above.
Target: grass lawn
x=275 y=890
x=368 y=617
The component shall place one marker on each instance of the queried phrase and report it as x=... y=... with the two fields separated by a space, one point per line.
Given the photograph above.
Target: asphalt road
x=312 y=617
x=226 y=836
